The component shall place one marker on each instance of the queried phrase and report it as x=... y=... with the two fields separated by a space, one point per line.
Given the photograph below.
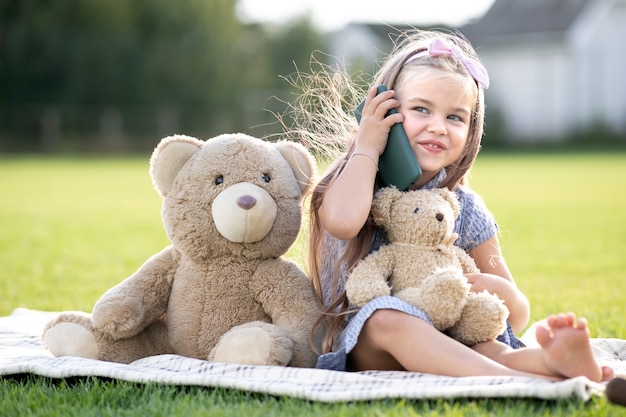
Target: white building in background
x=555 y=65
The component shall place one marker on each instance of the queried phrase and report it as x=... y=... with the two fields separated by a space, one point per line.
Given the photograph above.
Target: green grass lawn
x=73 y=227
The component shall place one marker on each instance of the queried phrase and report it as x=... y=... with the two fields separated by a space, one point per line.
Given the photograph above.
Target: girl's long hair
x=323 y=120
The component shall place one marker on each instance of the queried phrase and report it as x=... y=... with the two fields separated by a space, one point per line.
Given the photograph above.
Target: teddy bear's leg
x=255 y=343
x=441 y=295
x=72 y=334
x=483 y=318
x=153 y=340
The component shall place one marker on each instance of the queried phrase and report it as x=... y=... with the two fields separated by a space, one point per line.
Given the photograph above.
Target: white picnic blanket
x=21 y=351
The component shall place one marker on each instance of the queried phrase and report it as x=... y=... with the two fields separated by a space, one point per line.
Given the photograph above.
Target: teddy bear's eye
x=416 y=210
x=266 y=178
x=219 y=180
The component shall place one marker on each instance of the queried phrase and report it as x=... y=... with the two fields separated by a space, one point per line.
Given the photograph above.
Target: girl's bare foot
x=565 y=343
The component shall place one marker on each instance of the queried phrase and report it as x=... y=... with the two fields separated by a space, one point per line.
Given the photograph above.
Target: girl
x=436 y=83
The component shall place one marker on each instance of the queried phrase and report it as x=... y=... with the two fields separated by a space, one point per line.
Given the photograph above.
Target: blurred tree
x=290 y=48
x=272 y=53
x=135 y=57
x=91 y=74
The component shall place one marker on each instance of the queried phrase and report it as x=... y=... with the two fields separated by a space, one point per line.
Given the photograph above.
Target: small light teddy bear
x=421 y=265
x=232 y=206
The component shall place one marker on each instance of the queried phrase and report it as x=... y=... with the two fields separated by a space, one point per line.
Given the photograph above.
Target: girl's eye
x=219 y=180
x=421 y=110
x=266 y=178
x=455 y=118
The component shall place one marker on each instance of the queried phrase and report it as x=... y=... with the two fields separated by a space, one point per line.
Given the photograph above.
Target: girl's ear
x=382 y=203
x=168 y=159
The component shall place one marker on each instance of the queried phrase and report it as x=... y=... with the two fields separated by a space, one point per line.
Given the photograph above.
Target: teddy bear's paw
x=443 y=295
x=119 y=319
x=412 y=295
x=71 y=335
x=484 y=318
x=262 y=344
x=362 y=291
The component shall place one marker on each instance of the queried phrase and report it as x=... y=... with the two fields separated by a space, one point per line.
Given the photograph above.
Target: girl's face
x=437 y=113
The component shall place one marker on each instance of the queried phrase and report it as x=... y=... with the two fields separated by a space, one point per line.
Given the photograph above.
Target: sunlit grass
x=563 y=231
x=71 y=228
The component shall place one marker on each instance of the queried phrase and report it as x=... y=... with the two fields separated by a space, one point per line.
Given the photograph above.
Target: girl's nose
x=437 y=126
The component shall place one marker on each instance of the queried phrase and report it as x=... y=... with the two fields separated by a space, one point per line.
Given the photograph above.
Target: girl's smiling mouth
x=433 y=146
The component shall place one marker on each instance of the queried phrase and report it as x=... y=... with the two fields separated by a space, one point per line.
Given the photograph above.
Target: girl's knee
x=392 y=321
x=381 y=321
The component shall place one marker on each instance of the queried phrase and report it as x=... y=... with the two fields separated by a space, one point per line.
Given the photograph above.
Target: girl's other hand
x=493 y=284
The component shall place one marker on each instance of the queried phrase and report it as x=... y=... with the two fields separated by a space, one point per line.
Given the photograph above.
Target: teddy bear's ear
x=382 y=203
x=169 y=157
x=451 y=198
x=301 y=162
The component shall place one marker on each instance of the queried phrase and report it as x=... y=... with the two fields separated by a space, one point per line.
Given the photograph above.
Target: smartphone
x=397 y=164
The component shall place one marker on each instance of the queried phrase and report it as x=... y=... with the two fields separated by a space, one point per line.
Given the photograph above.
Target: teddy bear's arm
x=467 y=262
x=287 y=297
x=126 y=309
x=368 y=279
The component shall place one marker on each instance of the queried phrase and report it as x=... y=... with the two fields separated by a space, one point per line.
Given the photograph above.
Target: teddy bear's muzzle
x=244 y=213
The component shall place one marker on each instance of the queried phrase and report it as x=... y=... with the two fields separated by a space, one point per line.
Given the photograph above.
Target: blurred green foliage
x=118 y=75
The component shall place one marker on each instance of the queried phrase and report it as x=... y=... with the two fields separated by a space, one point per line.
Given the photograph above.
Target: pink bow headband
x=439 y=47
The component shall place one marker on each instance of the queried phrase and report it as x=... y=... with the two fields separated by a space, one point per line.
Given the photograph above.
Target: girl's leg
x=563 y=349
x=393 y=340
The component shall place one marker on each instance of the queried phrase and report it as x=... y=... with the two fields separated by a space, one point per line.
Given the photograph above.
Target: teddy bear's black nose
x=246 y=202
x=439 y=217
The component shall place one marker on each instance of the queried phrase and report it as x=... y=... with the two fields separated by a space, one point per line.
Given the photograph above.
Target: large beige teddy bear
x=423 y=267
x=232 y=206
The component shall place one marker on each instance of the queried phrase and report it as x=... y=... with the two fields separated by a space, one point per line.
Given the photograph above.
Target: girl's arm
x=496 y=278
x=348 y=199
